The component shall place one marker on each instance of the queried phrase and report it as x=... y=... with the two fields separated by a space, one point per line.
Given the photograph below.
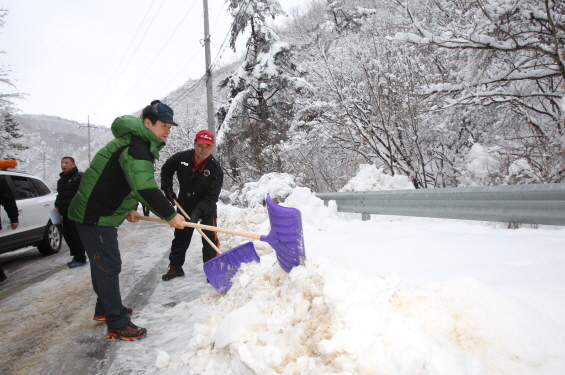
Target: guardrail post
x=365 y=216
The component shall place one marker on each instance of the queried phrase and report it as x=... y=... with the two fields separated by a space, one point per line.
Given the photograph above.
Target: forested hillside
x=447 y=93
x=49 y=138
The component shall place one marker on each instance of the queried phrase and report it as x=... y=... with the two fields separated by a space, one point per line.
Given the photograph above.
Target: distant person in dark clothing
x=67 y=187
x=200 y=178
x=9 y=203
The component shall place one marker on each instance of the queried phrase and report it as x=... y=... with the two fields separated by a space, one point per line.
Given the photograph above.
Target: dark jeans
x=182 y=239
x=101 y=245
x=72 y=238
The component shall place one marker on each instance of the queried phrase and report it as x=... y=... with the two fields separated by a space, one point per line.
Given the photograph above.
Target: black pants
x=72 y=238
x=182 y=239
x=101 y=244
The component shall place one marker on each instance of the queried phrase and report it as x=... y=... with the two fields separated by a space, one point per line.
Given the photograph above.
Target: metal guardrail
x=531 y=204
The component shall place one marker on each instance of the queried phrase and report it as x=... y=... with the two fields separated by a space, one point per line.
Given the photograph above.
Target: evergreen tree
x=259 y=110
x=9 y=128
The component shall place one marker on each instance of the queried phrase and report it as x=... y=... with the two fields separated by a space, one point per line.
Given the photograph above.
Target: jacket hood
x=128 y=124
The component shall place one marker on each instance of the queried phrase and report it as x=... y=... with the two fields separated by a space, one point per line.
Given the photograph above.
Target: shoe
x=69 y=263
x=128 y=332
x=172 y=272
x=2 y=275
x=102 y=317
x=74 y=264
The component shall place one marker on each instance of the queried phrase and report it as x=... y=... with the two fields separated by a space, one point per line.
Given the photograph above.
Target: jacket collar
x=71 y=172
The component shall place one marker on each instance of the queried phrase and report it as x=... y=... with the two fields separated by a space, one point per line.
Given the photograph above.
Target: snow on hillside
x=49 y=138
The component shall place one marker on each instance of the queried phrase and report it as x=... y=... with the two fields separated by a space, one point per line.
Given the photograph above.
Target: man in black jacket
x=200 y=178
x=9 y=203
x=67 y=187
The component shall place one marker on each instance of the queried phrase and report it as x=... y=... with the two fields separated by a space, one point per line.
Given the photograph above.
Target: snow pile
x=329 y=318
x=369 y=178
x=324 y=318
x=373 y=297
x=315 y=216
x=278 y=185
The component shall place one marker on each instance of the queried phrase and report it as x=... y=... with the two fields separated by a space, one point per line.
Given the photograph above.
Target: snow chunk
x=479 y=160
x=278 y=185
x=240 y=325
x=163 y=359
x=369 y=178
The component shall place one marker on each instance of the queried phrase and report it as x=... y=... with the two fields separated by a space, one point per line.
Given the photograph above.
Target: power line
x=183 y=68
x=184 y=94
x=133 y=54
x=220 y=52
x=156 y=56
x=95 y=108
x=217 y=18
x=222 y=48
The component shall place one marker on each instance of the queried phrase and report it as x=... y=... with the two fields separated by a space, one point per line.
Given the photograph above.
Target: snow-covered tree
x=256 y=117
x=509 y=55
x=9 y=127
x=10 y=134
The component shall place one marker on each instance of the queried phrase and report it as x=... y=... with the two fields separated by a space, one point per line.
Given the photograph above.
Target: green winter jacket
x=121 y=175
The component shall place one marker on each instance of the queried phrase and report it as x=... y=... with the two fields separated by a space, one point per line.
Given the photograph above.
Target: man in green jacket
x=120 y=176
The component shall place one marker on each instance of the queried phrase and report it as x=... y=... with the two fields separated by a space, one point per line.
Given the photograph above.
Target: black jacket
x=200 y=189
x=67 y=187
x=7 y=201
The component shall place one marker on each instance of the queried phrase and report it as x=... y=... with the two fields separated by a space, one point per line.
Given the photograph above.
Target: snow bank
x=278 y=185
x=369 y=178
x=372 y=298
x=324 y=318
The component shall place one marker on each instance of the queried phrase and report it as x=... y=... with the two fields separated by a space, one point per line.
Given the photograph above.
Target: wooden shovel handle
x=205 y=227
x=198 y=229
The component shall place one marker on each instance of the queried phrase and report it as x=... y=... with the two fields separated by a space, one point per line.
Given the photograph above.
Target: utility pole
x=89 y=140
x=88 y=126
x=209 y=93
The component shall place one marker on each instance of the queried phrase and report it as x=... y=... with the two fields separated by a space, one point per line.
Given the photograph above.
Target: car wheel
x=52 y=239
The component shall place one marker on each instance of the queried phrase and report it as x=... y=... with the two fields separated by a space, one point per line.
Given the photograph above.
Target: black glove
x=195 y=215
x=170 y=194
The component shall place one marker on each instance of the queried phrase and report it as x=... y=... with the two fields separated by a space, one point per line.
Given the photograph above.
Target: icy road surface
x=390 y=295
x=46 y=309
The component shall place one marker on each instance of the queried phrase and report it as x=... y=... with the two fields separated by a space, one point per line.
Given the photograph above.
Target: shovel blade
x=286 y=235
x=222 y=268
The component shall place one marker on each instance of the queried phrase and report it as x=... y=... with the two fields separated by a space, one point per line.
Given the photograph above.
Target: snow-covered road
x=406 y=296
x=46 y=309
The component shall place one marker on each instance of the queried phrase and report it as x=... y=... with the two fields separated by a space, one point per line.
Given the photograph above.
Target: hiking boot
x=76 y=261
x=128 y=332
x=102 y=317
x=172 y=272
x=75 y=264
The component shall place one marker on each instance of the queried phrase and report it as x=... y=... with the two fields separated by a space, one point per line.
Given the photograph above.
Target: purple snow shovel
x=285 y=237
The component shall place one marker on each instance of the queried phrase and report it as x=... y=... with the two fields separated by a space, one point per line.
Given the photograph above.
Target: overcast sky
x=81 y=59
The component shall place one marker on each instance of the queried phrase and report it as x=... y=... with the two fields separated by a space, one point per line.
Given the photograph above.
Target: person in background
x=8 y=201
x=200 y=178
x=120 y=176
x=67 y=187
